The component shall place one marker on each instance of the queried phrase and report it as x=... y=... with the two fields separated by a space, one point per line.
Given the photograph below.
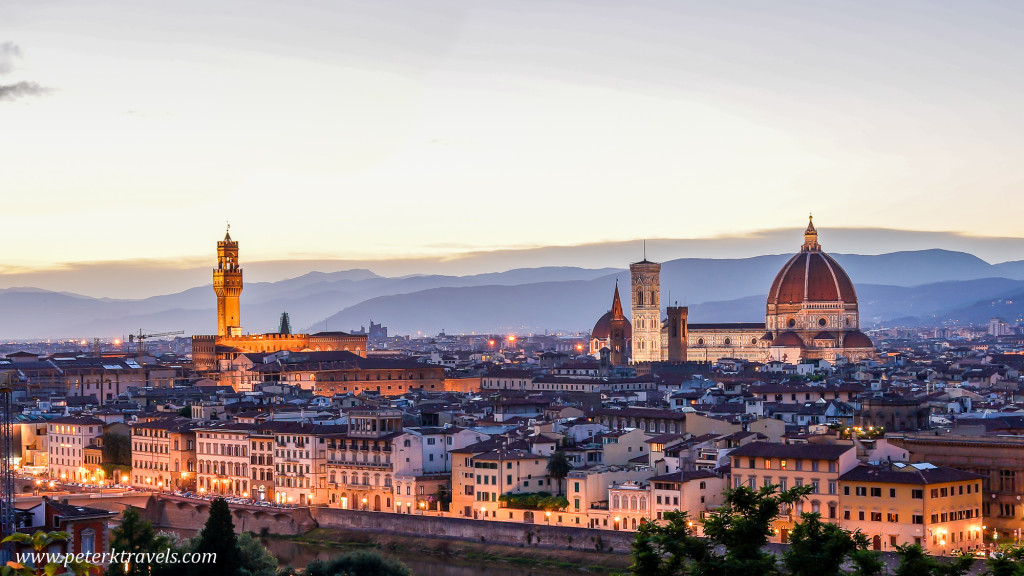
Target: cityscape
x=511 y=289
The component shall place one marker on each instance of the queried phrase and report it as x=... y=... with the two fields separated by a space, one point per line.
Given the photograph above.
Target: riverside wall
x=487 y=531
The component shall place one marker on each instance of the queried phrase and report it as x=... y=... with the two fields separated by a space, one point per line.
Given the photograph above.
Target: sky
x=386 y=129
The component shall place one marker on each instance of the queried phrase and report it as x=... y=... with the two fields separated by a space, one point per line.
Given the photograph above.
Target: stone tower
x=617 y=332
x=227 y=285
x=646 y=282
x=677 y=317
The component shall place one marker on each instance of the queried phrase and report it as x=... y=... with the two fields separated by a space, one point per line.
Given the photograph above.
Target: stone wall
x=492 y=532
x=173 y=512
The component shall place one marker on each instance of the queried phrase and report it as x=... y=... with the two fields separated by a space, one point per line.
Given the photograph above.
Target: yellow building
x=937 y=508
x=760 y=464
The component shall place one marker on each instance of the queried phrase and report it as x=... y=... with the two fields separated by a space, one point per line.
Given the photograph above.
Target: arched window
x=643 y=504
x=632 y=503
x=615 y=501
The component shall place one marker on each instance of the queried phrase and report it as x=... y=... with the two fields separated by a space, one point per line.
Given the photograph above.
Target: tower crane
x=141 y=338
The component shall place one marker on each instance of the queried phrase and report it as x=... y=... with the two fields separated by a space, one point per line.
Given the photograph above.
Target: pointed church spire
x=227 y=234
x=617 y=304
x=810 y=236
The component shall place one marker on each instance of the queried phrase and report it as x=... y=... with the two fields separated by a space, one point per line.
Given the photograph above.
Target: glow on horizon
x=362 y=130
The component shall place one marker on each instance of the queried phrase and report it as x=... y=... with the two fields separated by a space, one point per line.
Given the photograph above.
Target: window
x=846 y=514
x=876 y=492
x=892 y=492
x=917 y=519
x=862 y=491
x=860 y=515
x=846 y=490
x=892 y=517
x=88 y=541
x=918 y=494
x=876 y=516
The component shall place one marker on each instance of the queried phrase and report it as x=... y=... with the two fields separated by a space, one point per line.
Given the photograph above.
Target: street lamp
x=548 y=514
x=364 y=503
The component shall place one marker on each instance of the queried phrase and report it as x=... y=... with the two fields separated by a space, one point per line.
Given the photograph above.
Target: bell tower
x=227 y=285
x=645 y=279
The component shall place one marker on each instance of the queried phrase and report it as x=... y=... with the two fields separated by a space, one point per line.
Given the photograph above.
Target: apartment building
x=67 y=439
x=484 y=471
x=261 y=464
x=422 y=463
x=937 y=508
x=760 y=464
x=587 y=490
x=300 y=461
x=223 y=459
x=359 y=465
x=163 y=455
x=693 y=491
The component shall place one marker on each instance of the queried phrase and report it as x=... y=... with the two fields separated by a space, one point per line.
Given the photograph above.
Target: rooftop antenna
x=645 y=248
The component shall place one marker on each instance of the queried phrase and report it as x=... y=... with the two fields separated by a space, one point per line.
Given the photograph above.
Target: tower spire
x=616 y=303
x=810 y=236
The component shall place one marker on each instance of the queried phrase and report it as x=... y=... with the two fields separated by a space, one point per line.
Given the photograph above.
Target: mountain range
x=908 y=287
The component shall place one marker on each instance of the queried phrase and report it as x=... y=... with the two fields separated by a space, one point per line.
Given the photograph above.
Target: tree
x=254 y=558
x=742 y=526
x=360 y=563
x=217 y=537
x=667 y=550
x=40 y=543
x=914 y=562
x=1007 y=561
x=866 y=563
x=559 y=467
x=138 y=536
x=819 y=548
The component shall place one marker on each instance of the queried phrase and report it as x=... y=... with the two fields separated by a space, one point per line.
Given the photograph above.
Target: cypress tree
x=218 y=537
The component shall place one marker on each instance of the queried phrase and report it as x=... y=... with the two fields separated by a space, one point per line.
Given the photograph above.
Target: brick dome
x=857 y=340
x=602 y=329
x=812 y=276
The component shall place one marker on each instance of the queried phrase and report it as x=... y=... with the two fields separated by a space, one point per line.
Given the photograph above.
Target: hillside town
x=911 y=436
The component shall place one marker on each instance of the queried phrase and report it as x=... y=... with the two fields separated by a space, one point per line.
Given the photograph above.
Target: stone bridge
x=179 y=513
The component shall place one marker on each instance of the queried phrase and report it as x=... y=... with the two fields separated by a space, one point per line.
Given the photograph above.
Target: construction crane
x=141 y=338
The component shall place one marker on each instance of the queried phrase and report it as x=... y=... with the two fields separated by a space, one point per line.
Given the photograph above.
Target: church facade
x=811 y=313
x=209 y=350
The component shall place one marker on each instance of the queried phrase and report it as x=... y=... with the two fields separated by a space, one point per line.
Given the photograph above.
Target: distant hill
x=921 y=286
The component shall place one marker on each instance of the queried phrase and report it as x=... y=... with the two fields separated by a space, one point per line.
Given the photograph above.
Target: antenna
x=645 y=248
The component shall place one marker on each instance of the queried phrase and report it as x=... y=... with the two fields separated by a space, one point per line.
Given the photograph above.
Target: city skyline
x=362 y=132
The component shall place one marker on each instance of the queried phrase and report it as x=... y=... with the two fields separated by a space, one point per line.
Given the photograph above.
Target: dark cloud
x=8 y=52
x=21 y=90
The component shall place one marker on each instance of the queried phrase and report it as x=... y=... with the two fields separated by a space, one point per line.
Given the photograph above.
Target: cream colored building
x=67 y=438
x=222 y=454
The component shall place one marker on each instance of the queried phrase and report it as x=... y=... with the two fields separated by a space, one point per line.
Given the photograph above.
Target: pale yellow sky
x=357 y=130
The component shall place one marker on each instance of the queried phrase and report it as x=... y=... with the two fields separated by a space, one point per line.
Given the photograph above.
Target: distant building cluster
x=919 y=440
x=811 y=313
